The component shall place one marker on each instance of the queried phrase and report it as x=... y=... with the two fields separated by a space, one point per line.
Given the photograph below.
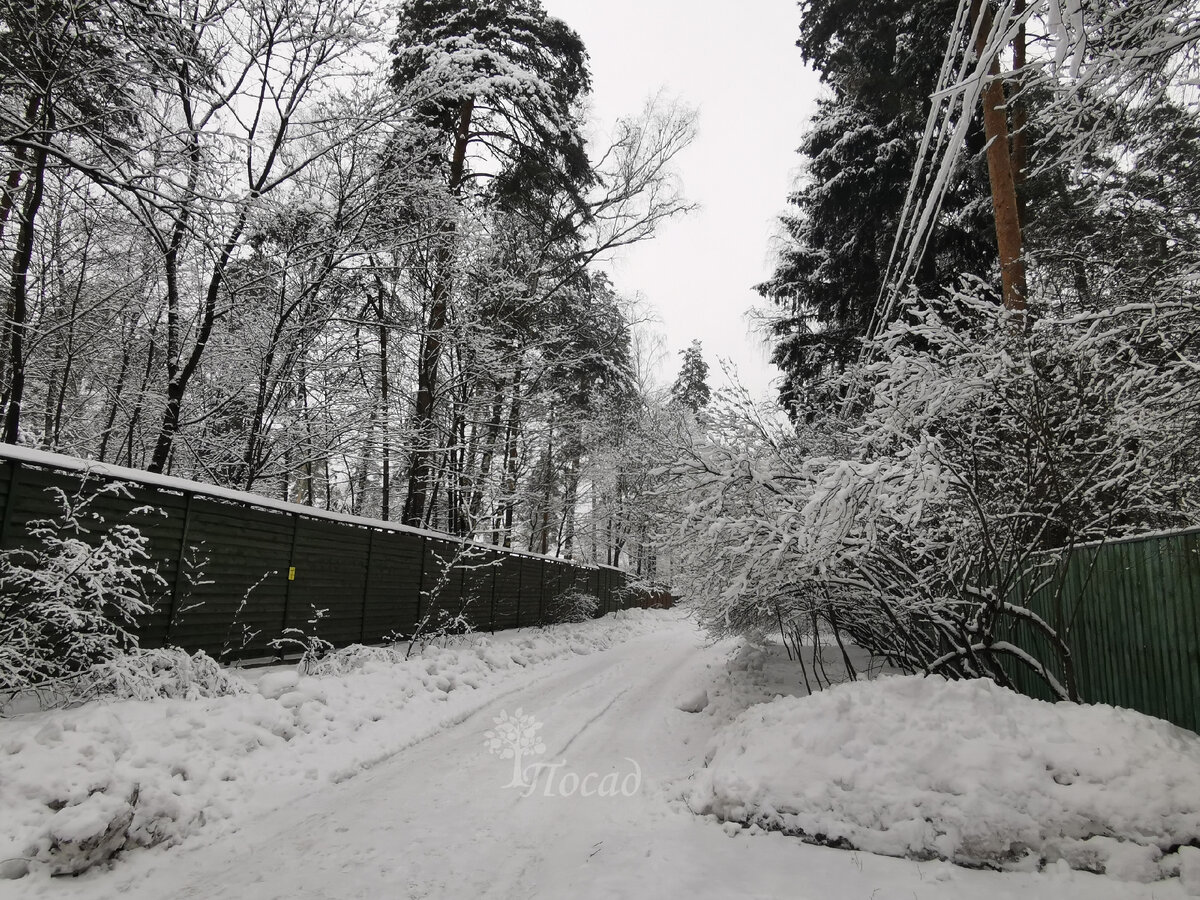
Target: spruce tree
x=876 y=60
x=691 y=386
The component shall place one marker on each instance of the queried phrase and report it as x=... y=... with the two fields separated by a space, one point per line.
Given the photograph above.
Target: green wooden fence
x=1129 y=610
x=240 y=569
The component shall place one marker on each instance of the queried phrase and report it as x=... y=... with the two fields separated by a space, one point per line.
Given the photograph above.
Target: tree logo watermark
x=516 y=737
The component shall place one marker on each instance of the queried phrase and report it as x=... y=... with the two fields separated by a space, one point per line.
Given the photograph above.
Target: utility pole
x=1000 y=168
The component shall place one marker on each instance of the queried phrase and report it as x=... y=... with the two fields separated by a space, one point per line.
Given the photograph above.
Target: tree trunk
x=136 y=415
x=19 y=289
x=420 y=468
x=117 y=390
x=489 y=451
x=309 y=477
x=252 y=458
x=511 y=460
x=8 y=201
x=385 y=441
x=566 y=532
x=1000 y=173
x=1020 y=119
x=180 y=375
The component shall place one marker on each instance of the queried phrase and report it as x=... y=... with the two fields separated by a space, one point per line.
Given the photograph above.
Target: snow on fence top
x=28 y=456
x=1125 y=539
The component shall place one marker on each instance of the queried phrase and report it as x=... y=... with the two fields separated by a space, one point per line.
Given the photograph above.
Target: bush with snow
x=573 y=606
x=167 y=672
x=963 y=771
x=69 y=598
x=910 y=519
x=307 y=642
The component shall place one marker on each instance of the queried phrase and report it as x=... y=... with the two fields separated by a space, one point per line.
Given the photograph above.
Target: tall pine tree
x=505 y=78
x=876 y=60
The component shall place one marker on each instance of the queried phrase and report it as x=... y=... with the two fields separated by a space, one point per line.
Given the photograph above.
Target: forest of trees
x=338 y=252
x=985 y=310
x=346 y=255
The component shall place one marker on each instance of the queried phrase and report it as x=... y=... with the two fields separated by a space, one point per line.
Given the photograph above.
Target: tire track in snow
x=588 y=724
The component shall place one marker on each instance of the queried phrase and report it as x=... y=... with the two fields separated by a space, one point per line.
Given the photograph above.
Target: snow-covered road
x=437 y=819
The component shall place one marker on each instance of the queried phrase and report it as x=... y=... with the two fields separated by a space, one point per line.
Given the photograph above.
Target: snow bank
x=78 y=785
x=964 y=771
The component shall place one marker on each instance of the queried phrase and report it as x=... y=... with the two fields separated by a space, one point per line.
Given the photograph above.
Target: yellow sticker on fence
x=291 y=573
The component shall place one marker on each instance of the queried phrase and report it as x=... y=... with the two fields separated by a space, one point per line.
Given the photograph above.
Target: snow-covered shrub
x=150 y=674
x=70 y=596
x=906 y=520
x=355 y=658
x=441 y=623
x=572 y=606
x=240 y=633
x=307 y=642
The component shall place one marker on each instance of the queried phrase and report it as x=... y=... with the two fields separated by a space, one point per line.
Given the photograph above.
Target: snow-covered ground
x=397 y=780
x=964 y=771
x=174 y=767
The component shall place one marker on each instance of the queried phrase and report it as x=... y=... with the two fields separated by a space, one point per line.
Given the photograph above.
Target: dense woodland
x=346 y=255
x=335 y=251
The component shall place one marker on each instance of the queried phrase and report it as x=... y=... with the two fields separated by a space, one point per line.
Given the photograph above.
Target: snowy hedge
x=964 y=771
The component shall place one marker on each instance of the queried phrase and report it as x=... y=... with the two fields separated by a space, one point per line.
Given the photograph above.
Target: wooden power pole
x=1000 y=170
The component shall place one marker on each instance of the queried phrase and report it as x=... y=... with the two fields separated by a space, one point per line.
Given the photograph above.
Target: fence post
x=492 y=613
x=362 y=631
x=520 y=584
x=173 y=607
x=542 y=596
x=421 y=581
x=14 y=481
x=287 y=594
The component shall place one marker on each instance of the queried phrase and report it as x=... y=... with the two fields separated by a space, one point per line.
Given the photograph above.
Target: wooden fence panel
x=241 y=602
x=239 y=570
x=442 y=586
x=508 y=590
x=530 y=596
x=393 y=591
x=330 y=563
x=10 y=474
x=162 y=518
x=477 y=588
x=1130 y=612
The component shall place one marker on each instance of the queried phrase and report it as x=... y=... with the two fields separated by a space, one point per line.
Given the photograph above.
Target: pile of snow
x=963 y=771
x=77 y=785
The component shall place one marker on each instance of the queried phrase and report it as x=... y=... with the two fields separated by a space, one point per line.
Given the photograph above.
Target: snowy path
x=436 y=820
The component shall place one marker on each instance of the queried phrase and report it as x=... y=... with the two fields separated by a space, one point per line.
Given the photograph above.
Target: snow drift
x=964 y=771
x=78 y=785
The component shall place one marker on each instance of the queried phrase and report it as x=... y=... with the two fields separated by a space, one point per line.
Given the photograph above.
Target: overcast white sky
x=737 y=62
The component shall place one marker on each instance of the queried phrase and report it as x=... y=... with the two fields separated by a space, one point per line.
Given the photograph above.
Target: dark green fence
x=1130 y=612
x=240 y=569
